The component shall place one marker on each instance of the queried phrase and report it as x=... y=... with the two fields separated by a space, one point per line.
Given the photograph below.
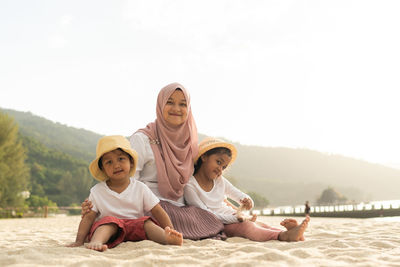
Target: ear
x=204 y=157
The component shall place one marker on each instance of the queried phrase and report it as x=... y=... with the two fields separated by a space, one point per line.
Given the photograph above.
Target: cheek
x=165 y=111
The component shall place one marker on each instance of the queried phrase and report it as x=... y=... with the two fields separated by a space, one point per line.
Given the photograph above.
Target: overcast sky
x=322 y=75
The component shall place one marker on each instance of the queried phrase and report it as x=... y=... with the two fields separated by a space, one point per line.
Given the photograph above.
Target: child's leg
x=166 y=237
x=101 y=235
x=266 y=226
x=252 y=231
x=287 y=223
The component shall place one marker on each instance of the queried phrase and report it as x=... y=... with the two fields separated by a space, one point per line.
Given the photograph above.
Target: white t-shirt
x=213 y=201
x=146 y=169
x=134 y=202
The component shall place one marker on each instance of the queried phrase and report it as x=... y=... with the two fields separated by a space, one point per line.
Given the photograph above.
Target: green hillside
x=282 y=175
x=56 y=175
x=78 y=143
x=291 y=176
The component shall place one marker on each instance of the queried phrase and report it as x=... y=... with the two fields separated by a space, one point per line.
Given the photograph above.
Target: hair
x=100 y=162
x=216 y=150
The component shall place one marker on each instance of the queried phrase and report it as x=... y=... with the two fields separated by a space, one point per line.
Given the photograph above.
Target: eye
x=107 y=162
x=183 y=105
x=219 y=162
x=169 y=102
x=123 y=158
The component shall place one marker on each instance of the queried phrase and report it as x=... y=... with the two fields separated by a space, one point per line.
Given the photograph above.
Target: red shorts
x=128 y=229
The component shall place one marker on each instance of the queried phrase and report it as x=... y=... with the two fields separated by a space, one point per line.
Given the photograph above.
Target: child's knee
x=148 y=224
x=109 y=227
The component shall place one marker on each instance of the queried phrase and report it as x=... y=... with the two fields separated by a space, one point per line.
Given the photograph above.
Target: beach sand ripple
x=329 y=242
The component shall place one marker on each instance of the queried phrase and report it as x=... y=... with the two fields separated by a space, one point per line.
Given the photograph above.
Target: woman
x=167 y=148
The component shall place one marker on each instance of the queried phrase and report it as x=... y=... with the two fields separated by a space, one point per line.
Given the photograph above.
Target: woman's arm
x=84 y=228
x=161 y=216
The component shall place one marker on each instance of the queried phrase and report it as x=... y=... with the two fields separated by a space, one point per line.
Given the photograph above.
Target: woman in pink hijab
x=167 y=148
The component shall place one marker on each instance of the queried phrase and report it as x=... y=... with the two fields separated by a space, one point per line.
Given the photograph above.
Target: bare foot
x=290 y=224
x=173 y=237
x=97 y=246
x=296 y=233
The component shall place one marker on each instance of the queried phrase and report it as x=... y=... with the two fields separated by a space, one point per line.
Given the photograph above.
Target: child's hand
x=246 y=203
x=74 y=244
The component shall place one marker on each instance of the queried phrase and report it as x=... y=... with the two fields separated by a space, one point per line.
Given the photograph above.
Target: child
x=120 y=202
x=207 y=189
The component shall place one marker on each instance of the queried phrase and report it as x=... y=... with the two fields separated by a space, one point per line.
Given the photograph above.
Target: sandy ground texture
x=329 y=242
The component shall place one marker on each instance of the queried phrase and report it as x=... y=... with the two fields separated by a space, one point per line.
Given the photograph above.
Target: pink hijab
x=174 y=148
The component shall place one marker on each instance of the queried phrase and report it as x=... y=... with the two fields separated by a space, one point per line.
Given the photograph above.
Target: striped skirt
x=194 y=223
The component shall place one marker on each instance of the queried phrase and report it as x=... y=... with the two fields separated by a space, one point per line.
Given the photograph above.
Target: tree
x=330 y=196
x=56 y=175
x=14 y=173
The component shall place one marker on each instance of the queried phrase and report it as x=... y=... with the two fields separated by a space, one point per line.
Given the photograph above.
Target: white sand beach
x=329 y=242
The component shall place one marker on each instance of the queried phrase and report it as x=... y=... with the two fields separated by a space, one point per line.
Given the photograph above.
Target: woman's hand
x=86 y=207
x=247 y=203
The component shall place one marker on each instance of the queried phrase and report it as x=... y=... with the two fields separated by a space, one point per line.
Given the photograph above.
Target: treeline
x=27 y=165
x=78 y=143
x=56 y=175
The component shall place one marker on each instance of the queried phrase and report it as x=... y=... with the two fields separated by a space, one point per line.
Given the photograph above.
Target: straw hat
x=107 y=144
x=210 y=143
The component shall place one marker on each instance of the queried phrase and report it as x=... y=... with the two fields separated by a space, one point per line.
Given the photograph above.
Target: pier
x=362 y=210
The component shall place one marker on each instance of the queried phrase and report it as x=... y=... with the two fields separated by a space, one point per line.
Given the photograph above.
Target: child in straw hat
x=208 y=189
x=121 y=202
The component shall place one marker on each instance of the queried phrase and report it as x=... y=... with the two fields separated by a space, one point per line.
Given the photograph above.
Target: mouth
x=173 y=114
x=118 y=172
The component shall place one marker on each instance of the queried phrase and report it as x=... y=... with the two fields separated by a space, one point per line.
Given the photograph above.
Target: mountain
x=284 y=176
x=78 y=143
x=292 y=176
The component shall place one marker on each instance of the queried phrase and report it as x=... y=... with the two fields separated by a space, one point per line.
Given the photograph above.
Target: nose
x=176 y=107
x=116 y=165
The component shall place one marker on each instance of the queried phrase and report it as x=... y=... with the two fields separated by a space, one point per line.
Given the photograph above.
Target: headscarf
x=174 y=148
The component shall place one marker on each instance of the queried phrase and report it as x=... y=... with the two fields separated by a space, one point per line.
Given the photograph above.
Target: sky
x=320 y=75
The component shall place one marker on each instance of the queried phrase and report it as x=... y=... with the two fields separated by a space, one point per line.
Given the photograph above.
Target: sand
x=329 y=242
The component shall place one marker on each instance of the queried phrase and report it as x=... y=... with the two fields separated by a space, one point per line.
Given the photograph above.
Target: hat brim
x=208 y=147
x=100 y=175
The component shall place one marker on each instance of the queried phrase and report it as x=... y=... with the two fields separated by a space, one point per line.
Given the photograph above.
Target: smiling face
x=175 y=110
x=116 y=164
x=214 y=164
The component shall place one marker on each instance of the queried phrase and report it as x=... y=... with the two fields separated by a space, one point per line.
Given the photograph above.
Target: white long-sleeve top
x=146 y=169
x=213 y=201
